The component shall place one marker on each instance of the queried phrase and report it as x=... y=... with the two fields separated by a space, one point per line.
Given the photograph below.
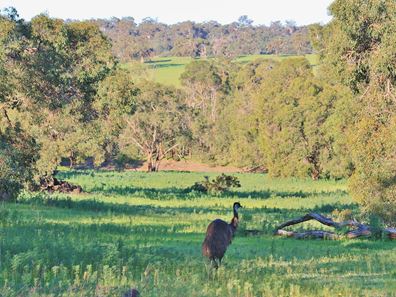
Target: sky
x=303 y=12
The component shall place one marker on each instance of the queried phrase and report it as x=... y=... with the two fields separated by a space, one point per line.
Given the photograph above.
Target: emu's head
x=235 y=219
x=236 y=206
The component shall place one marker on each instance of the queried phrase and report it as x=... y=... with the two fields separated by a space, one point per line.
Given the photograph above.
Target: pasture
x=144 y=231
x=167 y=70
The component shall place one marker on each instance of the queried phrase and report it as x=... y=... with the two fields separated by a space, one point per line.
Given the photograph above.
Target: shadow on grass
x=93 y=205
x=267 y=194
x=73 y=173
x=105 y=207
x=156 y=66
x=151 y=193
x=157 y=61
x=328 y=208
x=87 y=244
x=185 y=194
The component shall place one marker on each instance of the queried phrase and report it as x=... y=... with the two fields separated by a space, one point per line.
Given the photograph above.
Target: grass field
x=133 y=229
x=167 y=70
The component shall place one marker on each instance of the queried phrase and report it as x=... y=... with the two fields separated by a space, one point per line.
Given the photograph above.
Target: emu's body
x=219 y=236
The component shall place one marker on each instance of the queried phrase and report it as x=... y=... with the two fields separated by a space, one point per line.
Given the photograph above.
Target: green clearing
x=167 y=70
x=133 y=229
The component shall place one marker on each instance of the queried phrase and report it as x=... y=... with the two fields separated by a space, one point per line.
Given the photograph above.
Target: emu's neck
x=234 y=221
x=236 y=213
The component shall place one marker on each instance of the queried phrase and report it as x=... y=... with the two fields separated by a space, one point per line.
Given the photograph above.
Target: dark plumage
x=219 y=236
x=131 y=293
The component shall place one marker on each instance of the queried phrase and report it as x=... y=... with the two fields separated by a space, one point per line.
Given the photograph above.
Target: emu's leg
x=213 y=262
x=220 y=261
x=209 y=268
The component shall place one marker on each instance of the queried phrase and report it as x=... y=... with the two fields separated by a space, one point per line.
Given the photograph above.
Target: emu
x=219 y=236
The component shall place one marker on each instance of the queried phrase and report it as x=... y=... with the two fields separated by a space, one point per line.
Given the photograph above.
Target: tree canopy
x=151 y=38
x=50 y=71
x=358 y=52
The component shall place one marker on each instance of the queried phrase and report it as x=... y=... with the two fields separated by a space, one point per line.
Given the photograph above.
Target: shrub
x=342 y=215
x=218 y=185
x=18 y=153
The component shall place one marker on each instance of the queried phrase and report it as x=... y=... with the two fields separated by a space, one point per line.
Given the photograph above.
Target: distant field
x=167 y=70
x=134 y=229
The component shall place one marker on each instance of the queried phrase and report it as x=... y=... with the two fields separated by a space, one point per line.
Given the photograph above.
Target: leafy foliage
x=218 y=185
x=208 y=85
x=18 y=153
x=159 y=124
x=282 y=116
x=294 y=109
x=151 y=38
x=53 y=69
x=359 y=50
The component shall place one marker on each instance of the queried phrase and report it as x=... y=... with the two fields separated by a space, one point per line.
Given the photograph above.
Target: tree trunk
x=157 y=164
x=152 y=164
x=151 y=167
x=358 y=231
x=315 y=174
x=71 y=162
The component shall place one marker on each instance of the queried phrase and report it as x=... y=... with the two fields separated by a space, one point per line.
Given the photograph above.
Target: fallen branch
x=319 y=234
x=357 y=231
x=391 y=232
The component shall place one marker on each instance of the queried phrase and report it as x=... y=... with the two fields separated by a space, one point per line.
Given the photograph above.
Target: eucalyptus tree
x=18 y=149
x=145 y=120
x=54 y=69
x=208 y=87
x=159 y=125
x=294 y=112
x=359 y=52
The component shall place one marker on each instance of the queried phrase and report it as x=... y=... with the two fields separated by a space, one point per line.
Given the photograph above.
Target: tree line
x=63 y=95
x=151 y=38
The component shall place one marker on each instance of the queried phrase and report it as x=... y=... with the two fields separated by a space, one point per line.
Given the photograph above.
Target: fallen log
x=391 y=232
x=312 y=234
x=54 y=185
x=358 y=230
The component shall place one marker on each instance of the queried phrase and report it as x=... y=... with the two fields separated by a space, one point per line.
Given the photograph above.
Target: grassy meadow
x=138 y=230
x=167 y=70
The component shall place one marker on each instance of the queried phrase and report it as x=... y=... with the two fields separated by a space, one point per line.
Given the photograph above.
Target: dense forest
x=63 y=94
x=151 y=38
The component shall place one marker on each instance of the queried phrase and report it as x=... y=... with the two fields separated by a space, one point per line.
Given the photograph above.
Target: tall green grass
x=133 y=229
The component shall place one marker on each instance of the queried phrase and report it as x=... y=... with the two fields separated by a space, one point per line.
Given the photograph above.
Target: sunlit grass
x=133 y=229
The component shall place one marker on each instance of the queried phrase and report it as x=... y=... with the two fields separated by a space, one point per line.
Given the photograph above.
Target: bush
x=218 y=185
x=342 y=215
x=18 y=153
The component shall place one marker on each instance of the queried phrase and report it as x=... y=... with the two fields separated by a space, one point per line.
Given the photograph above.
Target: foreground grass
x=167 y=70
x=141 y=230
